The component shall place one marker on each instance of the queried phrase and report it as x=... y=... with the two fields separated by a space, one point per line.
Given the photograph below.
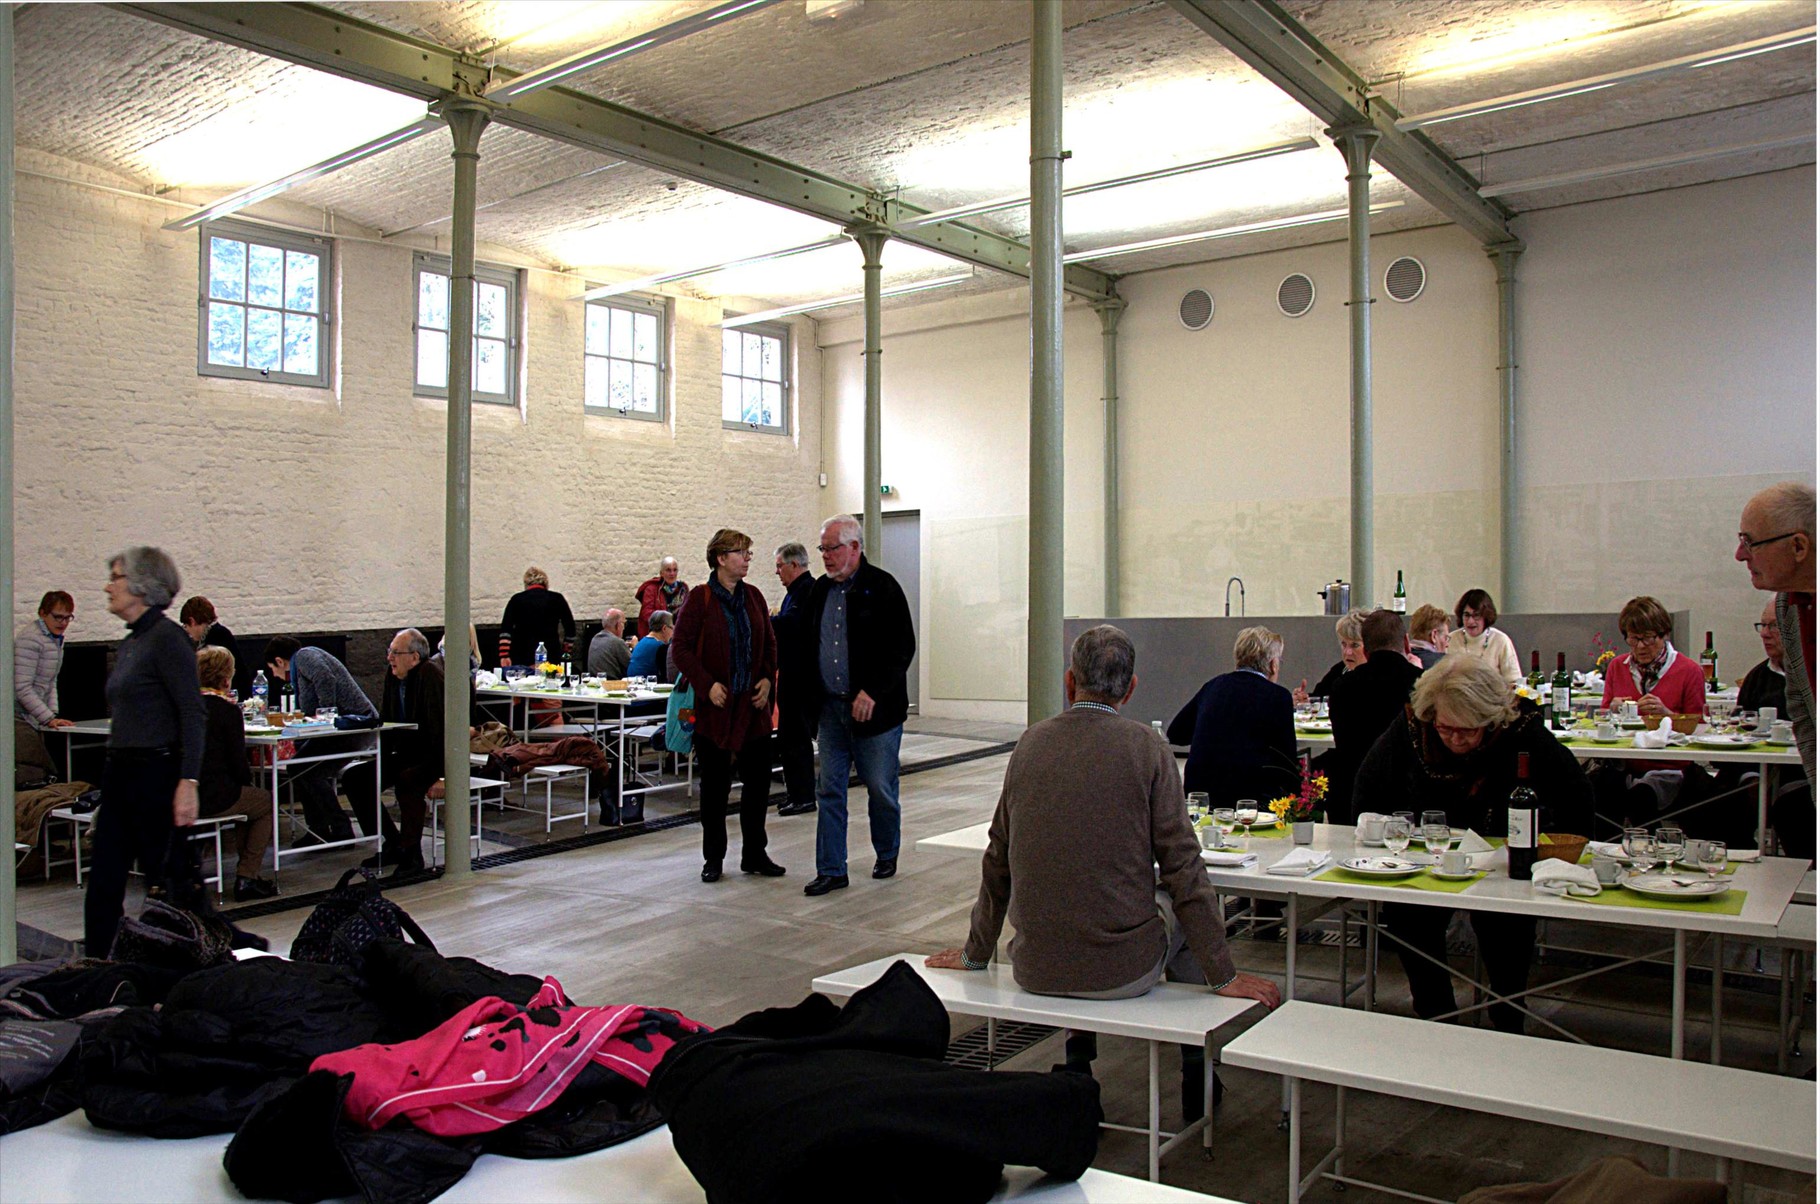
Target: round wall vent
x=1405 y=278
x=1196 y=309
x=1295 y=296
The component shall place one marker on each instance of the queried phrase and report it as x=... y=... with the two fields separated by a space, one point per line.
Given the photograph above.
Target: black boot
x=1078 y=1052
x=1194 y=1104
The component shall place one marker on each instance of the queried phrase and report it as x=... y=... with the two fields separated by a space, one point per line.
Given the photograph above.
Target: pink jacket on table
x=1681 y=688
x=493 y=1062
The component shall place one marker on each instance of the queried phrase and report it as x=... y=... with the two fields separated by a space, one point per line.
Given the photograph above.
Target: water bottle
x=1156 y=725
x=542 y=655
x=260 y=689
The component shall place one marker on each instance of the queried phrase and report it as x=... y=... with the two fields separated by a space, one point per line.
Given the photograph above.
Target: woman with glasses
x=37 y=659
x=1475 y=613
x=1661 y=680
x=1455 y=750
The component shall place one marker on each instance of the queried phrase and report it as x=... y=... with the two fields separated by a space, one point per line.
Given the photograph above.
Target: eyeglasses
x=1642 y=637
x=1760 y=628
x=826 y=548
x=113 y=577
x=393 y=654
x=1751 y=545
x=1449 y=732
x=57 y=618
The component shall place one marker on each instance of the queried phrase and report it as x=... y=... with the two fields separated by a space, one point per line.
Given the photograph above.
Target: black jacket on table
x=881 y=644
x=1240 y=733
x=1409 y=769
x=422 y=705
x=224 y=765
x=1363 y=704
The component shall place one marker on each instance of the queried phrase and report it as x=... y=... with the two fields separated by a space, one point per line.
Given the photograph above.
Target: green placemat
x=1275 y=832
x=1728 y=904
x=1422 y=881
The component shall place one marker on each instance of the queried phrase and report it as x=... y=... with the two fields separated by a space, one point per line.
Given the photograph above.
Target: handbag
x=353 y=916
x=679 y=720
x=172 y=937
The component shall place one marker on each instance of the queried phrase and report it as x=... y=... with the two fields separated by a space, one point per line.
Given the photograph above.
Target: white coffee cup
x=1782 y=729
x=1371 y=829
x=1455 y=862
x=1606 y=731
x=1605 y=870
x=1630 y=708
x=1766 y=718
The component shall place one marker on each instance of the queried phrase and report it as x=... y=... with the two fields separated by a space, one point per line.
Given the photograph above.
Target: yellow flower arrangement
x=1296 y=808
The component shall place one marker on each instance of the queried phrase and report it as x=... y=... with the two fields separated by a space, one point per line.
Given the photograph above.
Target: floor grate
x=1011 y=1038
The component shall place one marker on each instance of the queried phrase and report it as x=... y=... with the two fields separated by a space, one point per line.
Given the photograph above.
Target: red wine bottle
x=1523 y=829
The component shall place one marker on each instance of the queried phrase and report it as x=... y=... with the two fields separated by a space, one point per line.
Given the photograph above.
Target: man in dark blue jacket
x=797 y=718
x=859 y=642
x=1240 y=728
x=1365 y=702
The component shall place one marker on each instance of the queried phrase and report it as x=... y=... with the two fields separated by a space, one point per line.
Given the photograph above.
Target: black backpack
x=351 y=918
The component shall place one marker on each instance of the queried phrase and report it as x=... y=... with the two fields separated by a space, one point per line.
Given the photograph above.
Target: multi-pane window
x=263 y=305
x=623 y=359
x=495 y=371
x=754 y=378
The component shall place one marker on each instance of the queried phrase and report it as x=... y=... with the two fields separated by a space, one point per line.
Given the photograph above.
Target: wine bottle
x=1535 y=669
x=1524 y=822
x=1399 y=601
x=1563 y=690
x=1709 y=664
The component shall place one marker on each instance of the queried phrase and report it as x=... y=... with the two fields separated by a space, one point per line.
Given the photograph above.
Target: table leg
x=1295 y=1140
x=1156 y=1114
x=1289 y=936
x=1763 y=790
x=277 y=832
x=1718 y=992
x=379 y=803
x=1339 y=1130
x=1371 y=956
x=1677 y=1037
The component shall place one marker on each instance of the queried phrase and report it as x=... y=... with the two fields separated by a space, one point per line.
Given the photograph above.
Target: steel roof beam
x=1273 y=44
x=328 y=41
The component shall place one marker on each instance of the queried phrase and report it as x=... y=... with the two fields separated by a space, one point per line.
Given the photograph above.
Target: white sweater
x=1494 y=648
x=37 y=656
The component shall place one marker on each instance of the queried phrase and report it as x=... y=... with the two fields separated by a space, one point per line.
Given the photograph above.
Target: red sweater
x=1681 y=688
x=703 y=653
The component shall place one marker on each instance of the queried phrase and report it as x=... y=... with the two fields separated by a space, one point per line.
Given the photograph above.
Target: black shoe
x=711 y=872
x=763 y=866
x=797 y=808
x=826 y=882
x=308 y=840
x=388 y=855
x=254 y=888
x=886 y=867
x=407 y=869
x=1193 y=1106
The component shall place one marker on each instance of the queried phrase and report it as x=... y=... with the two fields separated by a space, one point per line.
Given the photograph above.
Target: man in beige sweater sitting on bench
x=1111 y=894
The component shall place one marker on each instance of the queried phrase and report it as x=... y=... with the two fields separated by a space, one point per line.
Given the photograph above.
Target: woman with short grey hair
x=154 y=744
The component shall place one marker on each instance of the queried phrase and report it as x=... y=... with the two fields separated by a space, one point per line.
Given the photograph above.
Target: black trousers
x=753 y=764
x=314 y=784
x=1507 y=944
x=132 y=824
x=410 y=784
x=796 y=751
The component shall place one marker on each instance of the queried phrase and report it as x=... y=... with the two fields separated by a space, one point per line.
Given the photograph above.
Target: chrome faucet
x=1229 y=582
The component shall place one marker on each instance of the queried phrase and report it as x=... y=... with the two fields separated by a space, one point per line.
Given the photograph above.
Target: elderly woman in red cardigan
x=1660 y=679
x=725 y=648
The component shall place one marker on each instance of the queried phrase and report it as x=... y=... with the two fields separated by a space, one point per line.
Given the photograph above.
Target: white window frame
x=771 y=330
x=634 y=305
x=282 y=240
x=506 y=278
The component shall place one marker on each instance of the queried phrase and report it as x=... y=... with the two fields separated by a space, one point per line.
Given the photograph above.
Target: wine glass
x=1640 y=847
x=1719 y=712
x=1245 y=811
x=1671 y=842
x=1397 y=832
x=1712 y=856
x=1438 y=837
x=1199 y=803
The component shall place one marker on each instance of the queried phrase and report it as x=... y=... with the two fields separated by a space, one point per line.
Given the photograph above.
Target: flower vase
x=1302 y=831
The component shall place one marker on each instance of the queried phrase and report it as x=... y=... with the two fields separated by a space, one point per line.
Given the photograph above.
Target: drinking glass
x=1246 y=812
x=1747 y=720
x=1408 y=817
x=1439 y=838
x=1198 y=805
x=1712 y=855
x=1719 y=712
x=1396 y=833
x=1640 y=847
x=1671 y=842
x=1435 y=819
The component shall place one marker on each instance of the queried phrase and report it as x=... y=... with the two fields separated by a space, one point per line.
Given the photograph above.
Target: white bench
x=1172 y=1013
x=206 y=828
x=68 y=1161
x=478 y=788
x=549 y=775
x=1717 y=1110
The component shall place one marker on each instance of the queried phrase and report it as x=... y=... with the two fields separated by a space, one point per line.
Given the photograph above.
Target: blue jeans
x=875 y=759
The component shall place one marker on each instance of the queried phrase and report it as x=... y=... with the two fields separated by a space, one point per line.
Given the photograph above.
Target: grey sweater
x=37 y=657
x=1091 y=820
x=152 y=695
x=322 y=681
x=608 y=655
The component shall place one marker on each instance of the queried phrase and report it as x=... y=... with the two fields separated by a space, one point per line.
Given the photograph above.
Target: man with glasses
x=37 y=659
x=859 y=640
x=410 y=760
x=1776 y=541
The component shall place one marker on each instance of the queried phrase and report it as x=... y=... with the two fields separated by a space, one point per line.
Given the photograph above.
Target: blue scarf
x=739 y=633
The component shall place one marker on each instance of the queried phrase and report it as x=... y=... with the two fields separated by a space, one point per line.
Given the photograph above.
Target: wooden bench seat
x=1718 y=1110
x=1172 y=1013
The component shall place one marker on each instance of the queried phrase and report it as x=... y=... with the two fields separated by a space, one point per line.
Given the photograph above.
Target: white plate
x=1446 y=877
x=1717 y=740
x=1666 y=886
x=1381 y=867
x=1265 y=819
x=1778 y=743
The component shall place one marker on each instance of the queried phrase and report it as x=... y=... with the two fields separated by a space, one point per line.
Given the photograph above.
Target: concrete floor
x=630 y=921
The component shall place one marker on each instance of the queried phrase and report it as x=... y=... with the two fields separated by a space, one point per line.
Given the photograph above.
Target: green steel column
x=871 y=240
x=467 y=121
x=1505 y=257
x=1356 y=145
x=1043 y=672
x=1110 y=312
x=9 y=902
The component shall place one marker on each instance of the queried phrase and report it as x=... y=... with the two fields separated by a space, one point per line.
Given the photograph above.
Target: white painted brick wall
x=305 y=508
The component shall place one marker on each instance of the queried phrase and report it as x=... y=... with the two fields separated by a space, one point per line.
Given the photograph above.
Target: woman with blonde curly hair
x=1455 y=750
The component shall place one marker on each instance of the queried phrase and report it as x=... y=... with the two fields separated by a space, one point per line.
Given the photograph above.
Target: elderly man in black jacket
x=796 y=712
x=858 y=643
x=1367 y=700
x=410 y=760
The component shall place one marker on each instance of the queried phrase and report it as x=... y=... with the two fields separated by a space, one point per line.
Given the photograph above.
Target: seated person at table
x=1791 y=811
x=225 y=785
x=410 y=760
x=1367 y=701
x=608 y=655
x=1662 y=682
x=1240 y=727
x=1428 y=635
x=648 y=658
x=206 y=630
x=1352 y=655
x=1475 y=613
x=319 y=680
x=1766 y=685
x=1455 y=750
x=1091 y=852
